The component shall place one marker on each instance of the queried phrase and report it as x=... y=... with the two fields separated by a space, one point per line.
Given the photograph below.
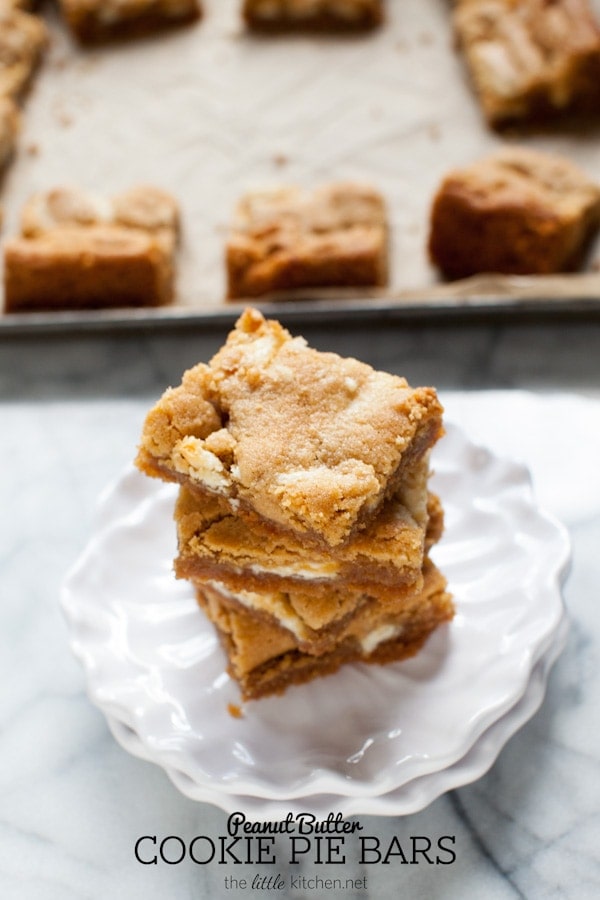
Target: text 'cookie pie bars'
x=304 y=516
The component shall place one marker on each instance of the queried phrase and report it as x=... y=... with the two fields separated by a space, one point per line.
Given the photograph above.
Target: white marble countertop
x=73 y=803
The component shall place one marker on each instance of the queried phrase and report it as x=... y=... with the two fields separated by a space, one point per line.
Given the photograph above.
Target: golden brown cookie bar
x=531 y=60
x=266 y=659
x=216 y=544
x=122 y=250
x=327 y=15
x=317 y=613
x=289 y=238
x=86 y=268
x=516 y=212
x=96 y=21
x=311 y=441
x=143 y=207
x=23 y=38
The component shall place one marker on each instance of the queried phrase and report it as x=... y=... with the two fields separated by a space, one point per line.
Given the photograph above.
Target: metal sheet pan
x=482 y=297
x=210 y=111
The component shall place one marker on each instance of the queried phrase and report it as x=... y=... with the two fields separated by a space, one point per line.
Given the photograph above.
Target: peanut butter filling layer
x=265 y=658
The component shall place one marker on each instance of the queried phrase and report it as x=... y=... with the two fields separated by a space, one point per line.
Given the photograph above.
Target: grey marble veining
x=73 y=803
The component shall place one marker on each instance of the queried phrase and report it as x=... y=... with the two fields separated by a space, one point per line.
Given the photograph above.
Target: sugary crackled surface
x=307 y=439
x=408 y=119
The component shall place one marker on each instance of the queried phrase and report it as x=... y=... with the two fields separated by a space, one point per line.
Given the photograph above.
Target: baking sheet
x=209 y=112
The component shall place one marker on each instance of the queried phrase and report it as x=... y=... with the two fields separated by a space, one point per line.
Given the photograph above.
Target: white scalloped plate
x=155 y=668
x=405 y=800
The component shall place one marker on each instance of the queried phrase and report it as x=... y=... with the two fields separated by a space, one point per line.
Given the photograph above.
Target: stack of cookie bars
x=304 y=517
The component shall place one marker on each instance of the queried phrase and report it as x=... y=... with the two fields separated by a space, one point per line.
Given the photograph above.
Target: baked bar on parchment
x=531 y=60
x=97 y=21
x=320 y=15
x=289 y=238
x=86 y=268
x=265 y=658
x=310 y=441
x=79 y=250
x=518 y=211
x=23 y=38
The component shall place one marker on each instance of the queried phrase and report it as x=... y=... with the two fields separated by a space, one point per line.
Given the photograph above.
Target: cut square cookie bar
x=327 y=15
x=266 y=659
x=216 y=544
x=516 y=212
x=86 y=268
x=316 y=612
x=23 y=38
x=289 y=238
x=532 y=60
x=80 y=250
x=310 y=441
x=96 y=21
